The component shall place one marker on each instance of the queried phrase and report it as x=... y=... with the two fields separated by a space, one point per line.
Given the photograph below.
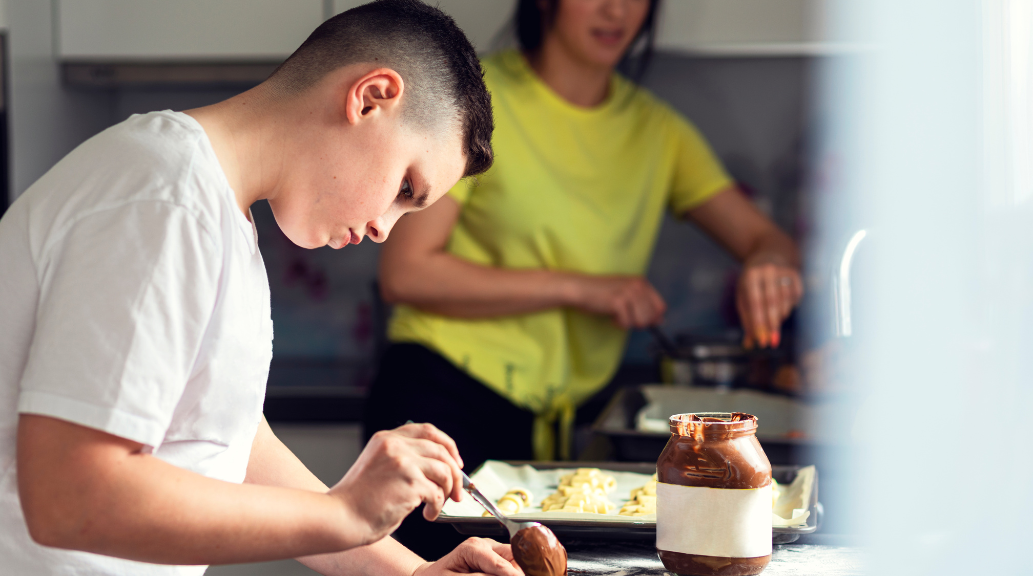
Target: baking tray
x=617 y=421
x=624 y=530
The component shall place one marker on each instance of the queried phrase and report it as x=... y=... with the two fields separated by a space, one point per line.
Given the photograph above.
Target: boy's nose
x=377 y=231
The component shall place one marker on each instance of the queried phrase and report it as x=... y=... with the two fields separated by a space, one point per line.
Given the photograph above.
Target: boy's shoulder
x=158 y=157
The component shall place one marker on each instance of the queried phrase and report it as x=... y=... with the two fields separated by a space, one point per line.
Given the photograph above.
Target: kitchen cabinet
x=691 y=27
x=269 y=30
x=108 y=43
x=746 y=28
x=183 y=30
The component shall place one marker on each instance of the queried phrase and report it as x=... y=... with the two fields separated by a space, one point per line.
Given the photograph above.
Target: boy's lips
x=353 y=238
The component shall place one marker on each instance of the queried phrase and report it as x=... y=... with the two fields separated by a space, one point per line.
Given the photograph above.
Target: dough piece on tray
x=512 y=502
x=575 y=501
x=642 y=502
x=593 y=477
x=584 y=490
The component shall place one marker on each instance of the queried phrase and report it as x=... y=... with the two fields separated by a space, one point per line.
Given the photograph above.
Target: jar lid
x=709 y=424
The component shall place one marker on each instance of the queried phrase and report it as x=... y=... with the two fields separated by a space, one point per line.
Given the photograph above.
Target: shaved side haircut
x=444 y=84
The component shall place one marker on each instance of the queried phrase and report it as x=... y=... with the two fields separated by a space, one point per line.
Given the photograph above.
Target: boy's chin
x=307 y=241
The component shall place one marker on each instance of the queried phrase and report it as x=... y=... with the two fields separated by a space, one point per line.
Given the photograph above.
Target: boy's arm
x=87 y=490
x=272 y=463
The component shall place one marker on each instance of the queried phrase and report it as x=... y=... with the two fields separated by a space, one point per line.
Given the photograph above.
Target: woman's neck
x=580 y=83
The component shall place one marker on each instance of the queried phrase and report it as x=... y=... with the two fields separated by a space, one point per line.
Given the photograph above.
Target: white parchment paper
x=496 y=478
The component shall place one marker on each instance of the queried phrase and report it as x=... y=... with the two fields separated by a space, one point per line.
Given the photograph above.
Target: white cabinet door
x=741 y=26
x=155 y=30
x=481 y=20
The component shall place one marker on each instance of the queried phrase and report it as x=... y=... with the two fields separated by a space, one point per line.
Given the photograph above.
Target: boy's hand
x=397 y=471
x=475 y=555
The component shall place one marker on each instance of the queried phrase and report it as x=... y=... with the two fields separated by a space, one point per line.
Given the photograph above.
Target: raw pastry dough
x=584 y=490
x=642 y=502
x=512 y=502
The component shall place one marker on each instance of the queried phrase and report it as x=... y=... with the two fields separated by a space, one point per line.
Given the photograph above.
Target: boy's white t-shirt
x=133 y=300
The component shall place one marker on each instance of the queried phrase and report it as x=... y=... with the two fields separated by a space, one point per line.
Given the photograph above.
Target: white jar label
x=721 y=522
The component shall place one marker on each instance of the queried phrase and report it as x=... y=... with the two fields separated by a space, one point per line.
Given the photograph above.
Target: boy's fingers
x=438 y=473
x=434 y=502
x=504 y=550
x=432 y=433
x=480 y=556
x=435 y=451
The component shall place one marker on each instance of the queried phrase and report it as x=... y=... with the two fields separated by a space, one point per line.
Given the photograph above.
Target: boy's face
x=346 y=185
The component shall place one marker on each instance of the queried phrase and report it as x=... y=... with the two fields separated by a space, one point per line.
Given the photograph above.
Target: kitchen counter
x=827 y=555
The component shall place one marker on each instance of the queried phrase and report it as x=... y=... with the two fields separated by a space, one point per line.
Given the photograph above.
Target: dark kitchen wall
x=752 y=110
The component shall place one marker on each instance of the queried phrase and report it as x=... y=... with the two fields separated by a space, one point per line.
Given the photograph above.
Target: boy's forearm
x=96 y=498
x=272 y=463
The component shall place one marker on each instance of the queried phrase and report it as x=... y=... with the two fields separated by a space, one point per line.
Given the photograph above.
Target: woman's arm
x=415 y=269
x=770 y=285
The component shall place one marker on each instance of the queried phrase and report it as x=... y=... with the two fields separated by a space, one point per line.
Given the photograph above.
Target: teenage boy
x=136 y=333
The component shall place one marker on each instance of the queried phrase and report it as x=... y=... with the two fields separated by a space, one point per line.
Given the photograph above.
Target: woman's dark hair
x=534 y=17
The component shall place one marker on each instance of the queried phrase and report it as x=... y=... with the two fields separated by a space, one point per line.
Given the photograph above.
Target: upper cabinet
x=703 y=27
x=744 y=27
x=183 y=30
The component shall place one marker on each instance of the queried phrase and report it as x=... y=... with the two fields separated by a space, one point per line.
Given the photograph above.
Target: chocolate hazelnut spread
x=715 y=450
x=538 y=552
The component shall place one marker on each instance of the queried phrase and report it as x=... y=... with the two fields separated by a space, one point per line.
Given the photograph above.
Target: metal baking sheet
x=470 y=522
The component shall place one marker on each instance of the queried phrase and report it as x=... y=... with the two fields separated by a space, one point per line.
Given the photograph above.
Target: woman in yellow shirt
x=516 y=290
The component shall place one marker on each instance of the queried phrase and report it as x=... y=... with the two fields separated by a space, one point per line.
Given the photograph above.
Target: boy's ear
x=375 y=92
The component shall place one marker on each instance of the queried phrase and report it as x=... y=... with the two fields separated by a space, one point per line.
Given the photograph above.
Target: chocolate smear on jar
x=538 y=552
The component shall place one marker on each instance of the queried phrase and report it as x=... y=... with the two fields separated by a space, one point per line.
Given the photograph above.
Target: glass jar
x=713 y=507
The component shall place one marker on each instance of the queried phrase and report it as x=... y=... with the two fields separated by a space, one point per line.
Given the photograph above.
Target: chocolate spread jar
x=713 y=496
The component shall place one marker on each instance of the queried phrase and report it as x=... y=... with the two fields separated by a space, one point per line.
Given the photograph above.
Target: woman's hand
x=474 y=556
x=631 y=301
x=765 y=296
x=397 y=470
x=769 y=286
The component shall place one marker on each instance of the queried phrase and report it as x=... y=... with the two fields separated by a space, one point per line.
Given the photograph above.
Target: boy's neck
x=247 y=137
x=580 y=83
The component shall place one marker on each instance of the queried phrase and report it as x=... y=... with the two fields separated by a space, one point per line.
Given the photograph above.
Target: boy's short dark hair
x=444 y=83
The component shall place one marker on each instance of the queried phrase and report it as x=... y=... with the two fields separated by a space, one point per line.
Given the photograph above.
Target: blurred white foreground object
x=929 y=140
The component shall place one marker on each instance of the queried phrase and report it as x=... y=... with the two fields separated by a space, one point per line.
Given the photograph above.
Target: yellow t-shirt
x=571 y=189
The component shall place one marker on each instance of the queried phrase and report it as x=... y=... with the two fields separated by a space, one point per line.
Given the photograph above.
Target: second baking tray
x=645 y=529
